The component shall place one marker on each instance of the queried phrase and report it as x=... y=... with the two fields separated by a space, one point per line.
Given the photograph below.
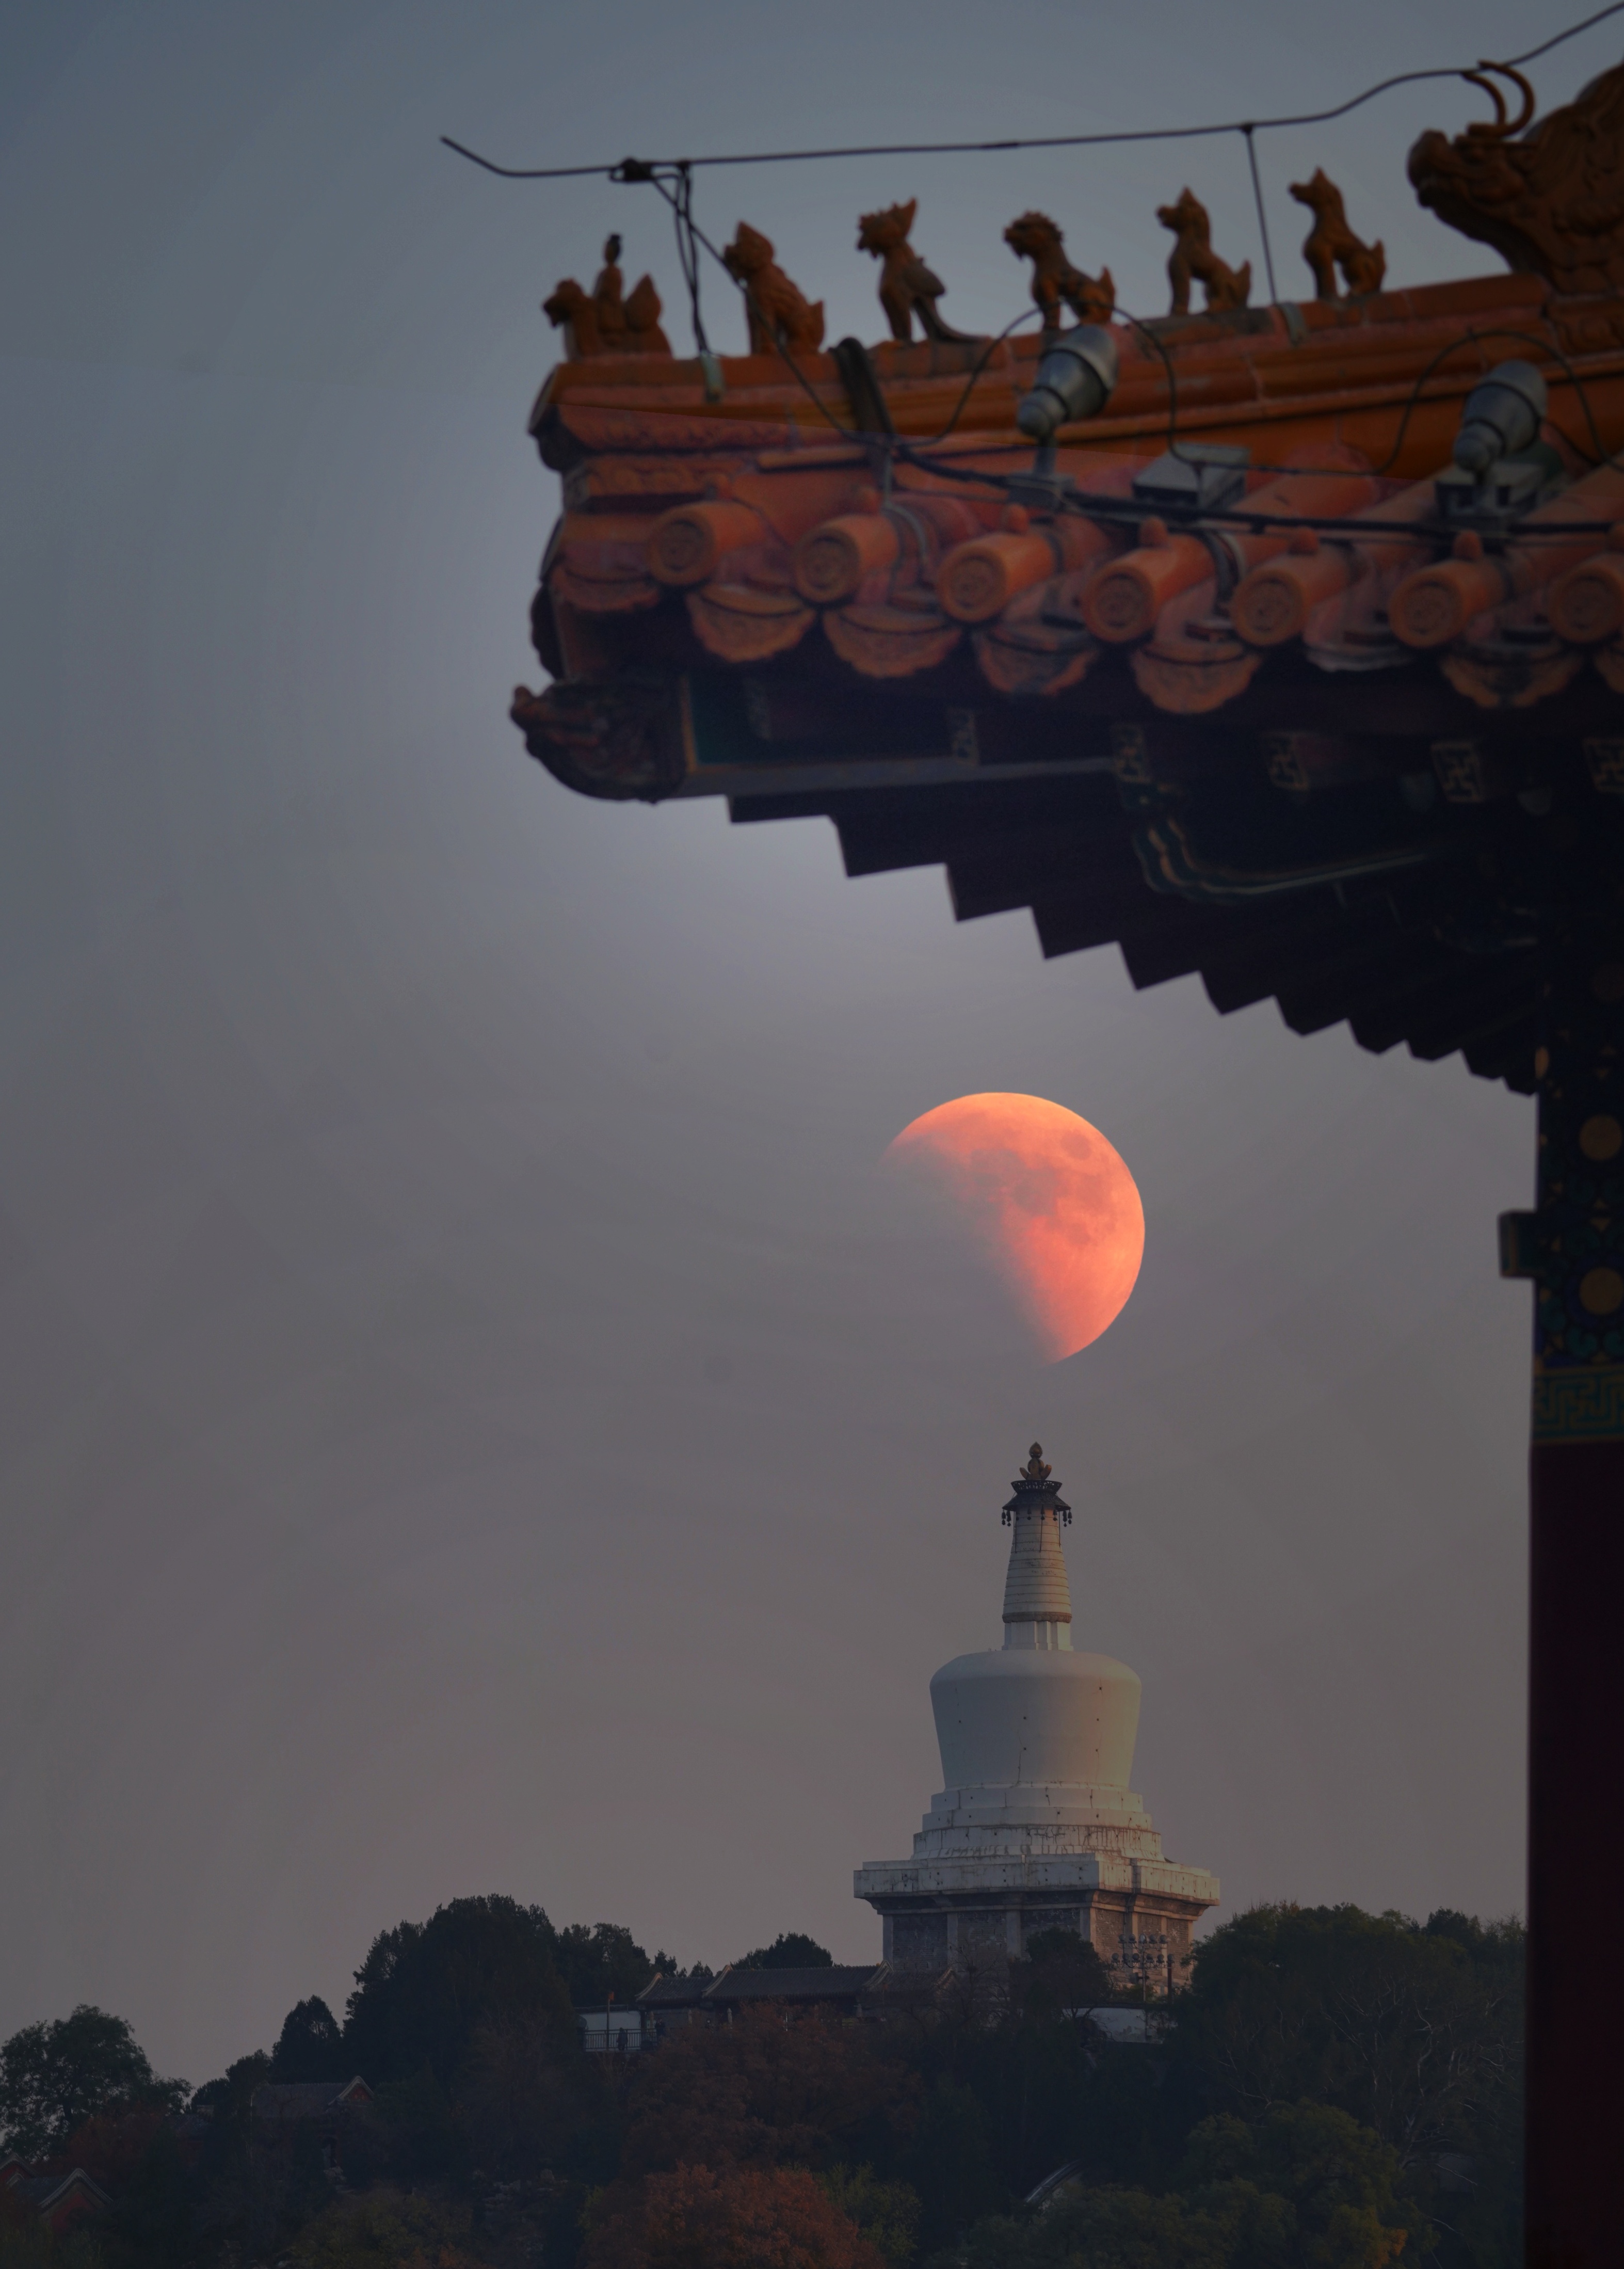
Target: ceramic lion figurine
x=1055 y=282
x=1331 y=244
x=779 y=313
x=1193 y=259
x=907 y=286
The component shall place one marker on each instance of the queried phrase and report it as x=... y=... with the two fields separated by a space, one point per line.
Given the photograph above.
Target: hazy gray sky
x=475 y=1416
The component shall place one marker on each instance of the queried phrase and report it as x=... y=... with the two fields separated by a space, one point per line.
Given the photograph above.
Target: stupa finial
x=1034 y=1489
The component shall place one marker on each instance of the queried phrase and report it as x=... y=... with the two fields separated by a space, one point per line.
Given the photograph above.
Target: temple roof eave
x=1339 y=764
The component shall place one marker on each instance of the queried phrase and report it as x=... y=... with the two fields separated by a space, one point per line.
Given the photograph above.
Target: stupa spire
x=1038 y=1598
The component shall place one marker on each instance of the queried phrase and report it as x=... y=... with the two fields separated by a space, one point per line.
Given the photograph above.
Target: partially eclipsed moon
x=1048 y=1196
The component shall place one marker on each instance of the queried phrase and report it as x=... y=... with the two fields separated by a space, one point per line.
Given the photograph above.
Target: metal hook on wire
x=1263 y=218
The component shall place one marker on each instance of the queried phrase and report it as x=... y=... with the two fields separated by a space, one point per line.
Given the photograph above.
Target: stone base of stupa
x=974 y=1911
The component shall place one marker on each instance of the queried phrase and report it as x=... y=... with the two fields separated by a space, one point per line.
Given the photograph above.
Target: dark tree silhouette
x=54 y=2077
x=425 y=1988
x=310 y=2045
x=791 y=1949
x=605 y=1960
x=1413 y=2030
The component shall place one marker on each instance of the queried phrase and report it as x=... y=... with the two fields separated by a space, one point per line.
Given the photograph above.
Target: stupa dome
x=1035 y=1735
x=1030 y=1738
x=1036 y=1826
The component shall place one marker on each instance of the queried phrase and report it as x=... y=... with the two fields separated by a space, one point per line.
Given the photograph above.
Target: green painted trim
x=1584 y=1404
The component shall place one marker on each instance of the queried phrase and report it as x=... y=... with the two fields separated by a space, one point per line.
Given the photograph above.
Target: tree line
x=1334 y=2090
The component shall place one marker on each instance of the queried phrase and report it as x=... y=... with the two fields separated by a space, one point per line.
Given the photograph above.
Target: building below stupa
x=1036 y=1827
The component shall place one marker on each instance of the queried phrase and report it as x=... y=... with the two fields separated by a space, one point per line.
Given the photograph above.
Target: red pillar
x=1576 y=1856
x=1573 y=1247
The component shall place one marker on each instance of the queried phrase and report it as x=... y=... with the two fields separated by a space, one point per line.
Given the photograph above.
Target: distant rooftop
x=828 y=1982
x=306 y=2099
x=863 y=1981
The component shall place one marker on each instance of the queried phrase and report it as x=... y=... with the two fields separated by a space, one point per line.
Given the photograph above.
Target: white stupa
x=1036 y=1827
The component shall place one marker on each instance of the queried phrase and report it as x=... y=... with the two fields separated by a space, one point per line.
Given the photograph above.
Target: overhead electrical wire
x=634 y=169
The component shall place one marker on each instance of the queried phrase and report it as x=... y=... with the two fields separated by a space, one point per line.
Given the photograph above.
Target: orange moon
x=1048 y=1197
